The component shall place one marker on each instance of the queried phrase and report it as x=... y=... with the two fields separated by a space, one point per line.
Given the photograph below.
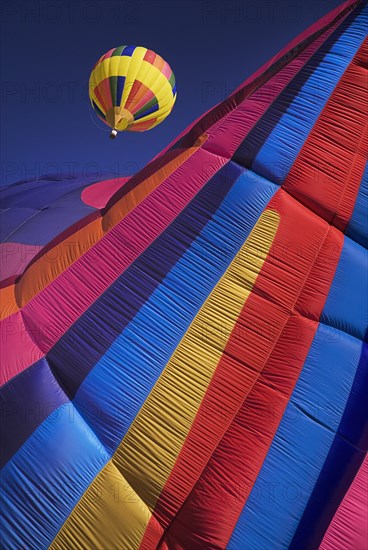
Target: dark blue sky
x=49 y=47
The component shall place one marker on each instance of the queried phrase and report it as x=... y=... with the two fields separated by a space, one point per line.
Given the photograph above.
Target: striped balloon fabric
x=185 y=366
x=132 y=88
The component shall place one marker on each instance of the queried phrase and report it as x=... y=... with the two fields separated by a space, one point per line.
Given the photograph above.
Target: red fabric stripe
x=258 y=369
x=218 y=498
x=314 y=294
x=332 y=198
x=140 y=126
x=104 y=91
x=101 y=99
x=334 y=156
x=309 y=301
x=107 y=54
x=150 y=56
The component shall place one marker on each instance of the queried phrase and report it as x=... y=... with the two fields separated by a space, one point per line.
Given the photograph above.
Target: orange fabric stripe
x=137 y=92
x=58 y=258
x=8 y=304
x=158 y=62
x=123 y=206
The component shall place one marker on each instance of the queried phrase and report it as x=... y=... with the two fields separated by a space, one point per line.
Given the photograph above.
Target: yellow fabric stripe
x=101 y=72
x=112 y=66
x=151 y=74
x=160 y=115
x=149 y=450
x=160 y=87
x=110 y=515
x=135 y=63
x=93 y=85
x=144 y=75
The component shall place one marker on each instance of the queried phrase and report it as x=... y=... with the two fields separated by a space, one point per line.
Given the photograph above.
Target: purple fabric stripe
x=26 y=401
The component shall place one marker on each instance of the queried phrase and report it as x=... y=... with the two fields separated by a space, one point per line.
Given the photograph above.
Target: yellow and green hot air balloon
x=132 y=88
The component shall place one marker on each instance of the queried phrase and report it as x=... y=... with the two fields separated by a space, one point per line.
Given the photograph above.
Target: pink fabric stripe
x=107 y=54
x=349 y=527
x=323 y=22
x=166 y=71
x=18 y=351
x=99 y=194
x=58 y=306
x=80 y=285
x=224 y=134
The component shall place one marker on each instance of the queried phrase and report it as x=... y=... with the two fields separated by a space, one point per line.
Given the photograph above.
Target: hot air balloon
x=184 y=358
x=132 y=89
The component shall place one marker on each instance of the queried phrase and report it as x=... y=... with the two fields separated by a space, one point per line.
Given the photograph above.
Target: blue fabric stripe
x=61 y=449
x=347 y=452
x=127 y=372
x=119 y=89
x=301 y=444
x=46 y=478
x=286 y=138
x=94 y=332
x=47 y=224
x=357 y=228
x=255 y=140
x=149 y=111
x=128 y=50
x=98 y=110
x=346 y=304
x=26 y=401
x=354 y=424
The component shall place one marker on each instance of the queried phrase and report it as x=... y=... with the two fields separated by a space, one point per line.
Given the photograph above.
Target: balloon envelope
x=185 y=353
x=132 y=88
